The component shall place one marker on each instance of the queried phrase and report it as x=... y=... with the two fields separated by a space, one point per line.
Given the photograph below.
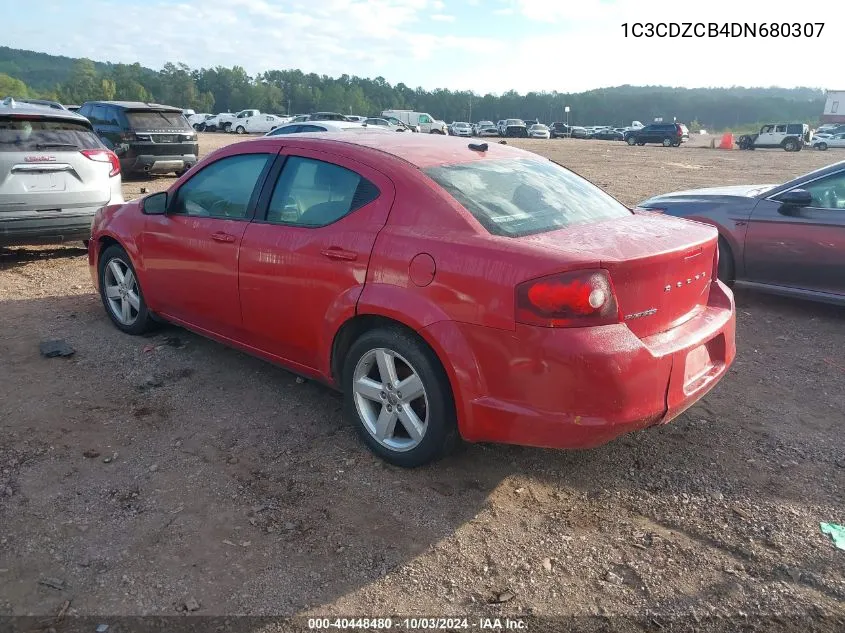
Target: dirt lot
x=146 y=473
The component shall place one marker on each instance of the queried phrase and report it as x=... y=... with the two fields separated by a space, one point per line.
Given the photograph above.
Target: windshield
x=539 y=126
x=19 y=135
x=157 y=120
x=522 y=196
x=515 y=122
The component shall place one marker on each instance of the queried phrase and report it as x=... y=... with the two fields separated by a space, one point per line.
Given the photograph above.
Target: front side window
x=222 y=189
x=315 y=193
x=834 y=107
x=517 y=197
x=425 y=119
x=828 y=192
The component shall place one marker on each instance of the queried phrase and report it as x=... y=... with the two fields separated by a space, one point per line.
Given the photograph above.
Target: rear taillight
x=576 y=299
x=104 y=156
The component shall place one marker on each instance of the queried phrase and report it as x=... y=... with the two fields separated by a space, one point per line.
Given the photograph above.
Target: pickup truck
x=256 y=123
x=225 y=121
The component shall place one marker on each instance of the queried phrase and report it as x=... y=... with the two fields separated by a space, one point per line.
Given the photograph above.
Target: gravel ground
x=163 y=474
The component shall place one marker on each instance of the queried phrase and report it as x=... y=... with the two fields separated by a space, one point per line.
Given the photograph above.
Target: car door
x=837 y=140
x=800 y=247
x=303 y=261
x=425 y=123
x=190 y=254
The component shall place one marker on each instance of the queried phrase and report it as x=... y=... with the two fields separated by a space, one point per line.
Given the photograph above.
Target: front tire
x=822 y=147
x=397 y=395
x=631 y=140
x=121 y=292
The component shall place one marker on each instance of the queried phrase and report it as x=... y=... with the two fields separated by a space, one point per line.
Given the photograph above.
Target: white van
x=423 y=121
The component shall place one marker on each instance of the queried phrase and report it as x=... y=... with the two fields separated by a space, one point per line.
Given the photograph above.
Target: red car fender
x=120 y=230
x=441 y=333
x=338 y=314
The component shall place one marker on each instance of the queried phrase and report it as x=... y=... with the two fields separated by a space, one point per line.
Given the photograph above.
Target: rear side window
x=795 y=129
x=288 y=129
x=24 y=135
x=223 y=189
x=311 y=128
x=517 y=197
x=156 y=120
x=315 y=193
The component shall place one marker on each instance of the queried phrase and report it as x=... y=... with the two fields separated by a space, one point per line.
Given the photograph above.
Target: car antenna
x=478 y=147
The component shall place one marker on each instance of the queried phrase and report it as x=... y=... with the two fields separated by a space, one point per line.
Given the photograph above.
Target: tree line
x=223 y=89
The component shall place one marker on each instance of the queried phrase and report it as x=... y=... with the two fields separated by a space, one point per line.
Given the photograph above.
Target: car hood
x=709 y=193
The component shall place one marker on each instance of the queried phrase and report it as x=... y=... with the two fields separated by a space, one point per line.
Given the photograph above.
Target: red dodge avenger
x=450 y=289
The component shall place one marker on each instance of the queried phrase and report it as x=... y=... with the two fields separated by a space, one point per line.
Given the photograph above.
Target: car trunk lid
x=159 y=130
x=661 y=267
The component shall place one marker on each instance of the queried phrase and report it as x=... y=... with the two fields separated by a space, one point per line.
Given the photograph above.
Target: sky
x=479 y=45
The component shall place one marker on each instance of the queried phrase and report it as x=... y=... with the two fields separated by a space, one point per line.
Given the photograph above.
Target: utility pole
x=470 y=108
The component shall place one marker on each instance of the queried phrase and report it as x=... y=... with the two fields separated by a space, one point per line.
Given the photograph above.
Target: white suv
x=55 y=173
x=789 y=136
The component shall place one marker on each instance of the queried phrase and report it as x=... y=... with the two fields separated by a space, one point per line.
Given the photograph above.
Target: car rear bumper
x=582 y=387
x=154 y=164
x=55 y=229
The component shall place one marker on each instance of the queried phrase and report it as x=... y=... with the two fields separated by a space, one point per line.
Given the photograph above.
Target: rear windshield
x=516 y=197
x=24 y=135
x=153 y=120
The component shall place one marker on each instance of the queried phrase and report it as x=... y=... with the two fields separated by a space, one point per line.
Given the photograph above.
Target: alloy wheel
x=390 y=399
x=121 y=289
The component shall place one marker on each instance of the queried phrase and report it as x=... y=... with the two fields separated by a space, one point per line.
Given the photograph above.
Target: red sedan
x=450 y=289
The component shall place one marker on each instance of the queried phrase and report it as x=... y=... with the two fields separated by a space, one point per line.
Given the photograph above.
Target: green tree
x=11 y=87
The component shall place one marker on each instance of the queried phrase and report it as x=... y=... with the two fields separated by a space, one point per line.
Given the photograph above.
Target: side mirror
x=796 y=198
x=155 y=204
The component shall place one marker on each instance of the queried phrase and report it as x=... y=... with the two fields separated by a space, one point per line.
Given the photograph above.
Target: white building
x=834 y=107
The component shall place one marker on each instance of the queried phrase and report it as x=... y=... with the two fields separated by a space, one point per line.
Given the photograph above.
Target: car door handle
x=335 y=252
x=220 y=236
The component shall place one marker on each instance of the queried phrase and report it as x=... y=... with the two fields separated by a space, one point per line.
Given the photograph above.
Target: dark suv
x=665 y=134
x=148 y=138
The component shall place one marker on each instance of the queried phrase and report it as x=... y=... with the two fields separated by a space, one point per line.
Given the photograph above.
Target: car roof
x=329 y=124
x=136 y=105
x=10 y=106
x=420 y=150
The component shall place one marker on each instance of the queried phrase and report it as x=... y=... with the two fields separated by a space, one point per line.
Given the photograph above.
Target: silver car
x=54 y=175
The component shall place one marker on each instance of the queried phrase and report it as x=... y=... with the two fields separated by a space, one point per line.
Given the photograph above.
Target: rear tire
x=240 y=130
x=667 y=142
x=117 y=293
x=790 y=145
x=726 y=262
x=376 y=367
